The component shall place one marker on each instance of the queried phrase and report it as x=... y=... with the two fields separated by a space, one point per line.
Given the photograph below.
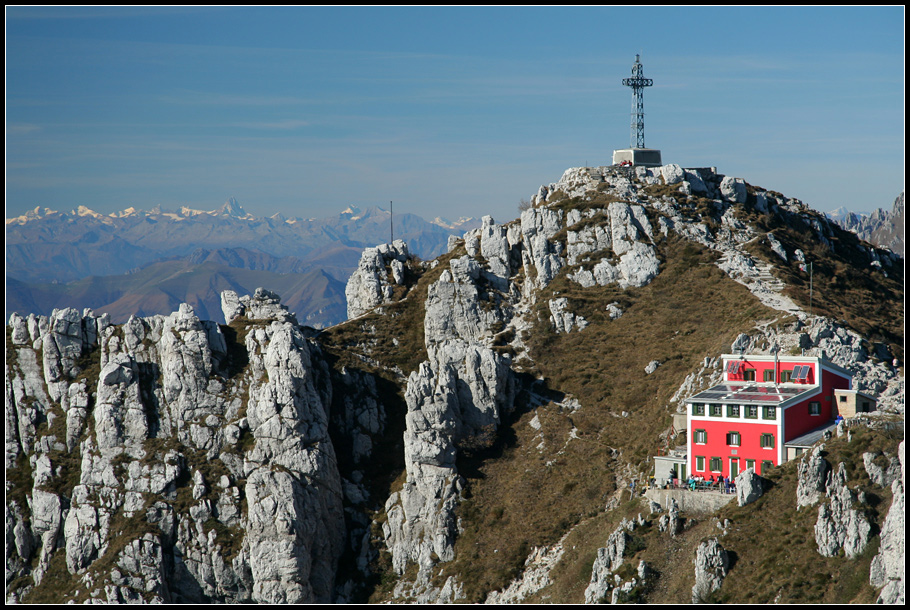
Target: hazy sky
x=446 y=111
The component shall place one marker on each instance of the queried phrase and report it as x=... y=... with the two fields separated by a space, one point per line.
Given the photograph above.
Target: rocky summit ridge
x=173 y=459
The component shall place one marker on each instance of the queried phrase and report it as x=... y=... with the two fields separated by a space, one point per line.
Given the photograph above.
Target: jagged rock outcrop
x=563 y=320
x=371 y=284
x=538 y=227
x=812 y=472
x=628 y=258
x=614 y=311
x=458 y=305
x=454 y=402
x=882 y=476
x=733 y=189
x=887 y=569
x=536 y=575
x=136 y=416
x=672 y=521
x=840 y=525
x=711 y=565
x=616 y=546
x=263 y=305
x=883 y=228
x=748 y=487
x=420 y=525
x=604 y=580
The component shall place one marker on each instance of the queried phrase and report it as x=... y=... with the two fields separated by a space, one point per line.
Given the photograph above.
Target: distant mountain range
x=881 y=228
x=148 y=262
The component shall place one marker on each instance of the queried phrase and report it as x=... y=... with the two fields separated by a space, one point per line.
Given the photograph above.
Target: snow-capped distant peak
x=280 y=217
x=233 y=208
x=85 y=211
x=445 y=223
x=185 y=211
x=130 y=211
x=35 y=214
x=352 y=213
x=838 y=214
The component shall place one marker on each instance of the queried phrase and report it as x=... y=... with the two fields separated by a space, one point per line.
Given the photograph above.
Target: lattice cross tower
x=638 y=83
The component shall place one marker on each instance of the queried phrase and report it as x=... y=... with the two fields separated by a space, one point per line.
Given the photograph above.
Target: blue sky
x=446 y=111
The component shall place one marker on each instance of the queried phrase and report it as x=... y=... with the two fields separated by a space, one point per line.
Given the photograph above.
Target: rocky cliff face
x=177 y=460
x=369 y=285
x=165 y=461
x=883 y=228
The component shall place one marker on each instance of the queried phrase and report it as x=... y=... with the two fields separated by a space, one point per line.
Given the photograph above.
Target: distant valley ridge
x=157 y=259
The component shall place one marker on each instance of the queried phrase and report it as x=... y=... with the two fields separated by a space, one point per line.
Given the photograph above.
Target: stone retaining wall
x=690 y=501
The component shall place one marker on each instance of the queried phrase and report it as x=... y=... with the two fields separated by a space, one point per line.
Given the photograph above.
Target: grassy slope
x=524 y=494
x=775 y=544
x=771 y=543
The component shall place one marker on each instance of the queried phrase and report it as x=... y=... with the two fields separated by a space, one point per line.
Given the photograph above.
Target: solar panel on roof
x=803 y=372
x=733 y=366
x=711 y=395
x=749 y=393
x=757 y=397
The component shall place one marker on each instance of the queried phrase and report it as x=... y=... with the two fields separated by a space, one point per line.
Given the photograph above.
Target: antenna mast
x=638 y=83
x=391 y=224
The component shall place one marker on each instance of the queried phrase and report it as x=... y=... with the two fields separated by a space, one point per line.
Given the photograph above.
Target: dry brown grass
x=392 y=336
x=534 y=486
x=774 y=558
x=844 y=284
x=527 y=491
x=778 y=559
x=689 y=311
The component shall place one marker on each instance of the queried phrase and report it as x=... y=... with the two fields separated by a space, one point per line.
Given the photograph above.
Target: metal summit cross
x=637 y=154
x=638 y=83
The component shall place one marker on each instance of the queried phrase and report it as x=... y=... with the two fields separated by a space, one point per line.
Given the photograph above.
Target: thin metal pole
x=391 y=223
